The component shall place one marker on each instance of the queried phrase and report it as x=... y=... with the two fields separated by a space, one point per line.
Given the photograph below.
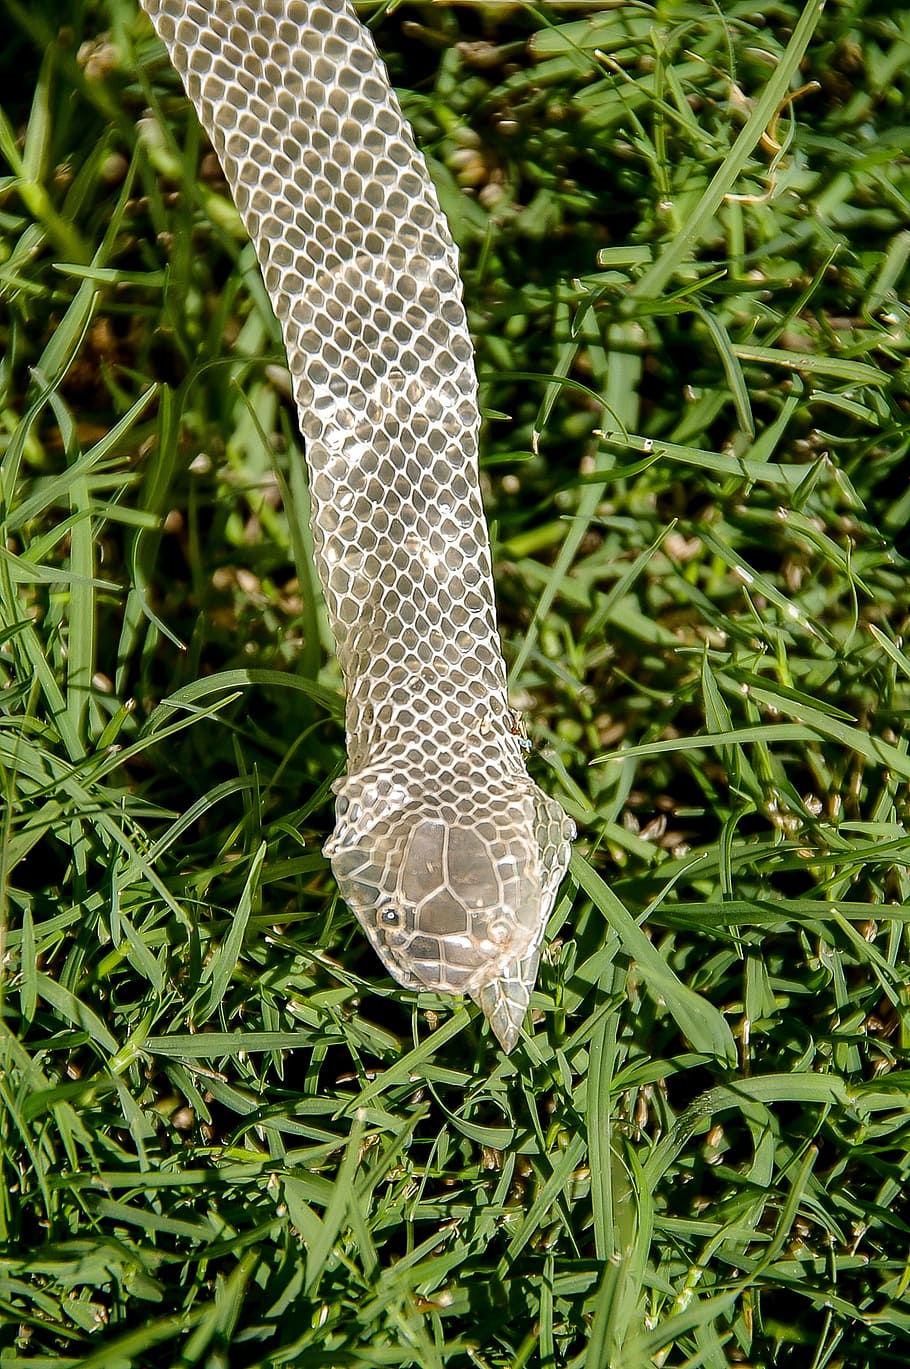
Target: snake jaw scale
x=504 y=1001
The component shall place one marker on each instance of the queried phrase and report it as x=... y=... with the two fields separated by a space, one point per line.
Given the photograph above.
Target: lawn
x=227 y=1137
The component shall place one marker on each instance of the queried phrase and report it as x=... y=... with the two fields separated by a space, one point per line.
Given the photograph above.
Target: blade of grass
x=763 y=111
x=697 y=1019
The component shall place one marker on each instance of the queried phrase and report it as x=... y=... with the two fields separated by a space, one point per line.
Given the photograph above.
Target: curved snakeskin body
x=448 y=854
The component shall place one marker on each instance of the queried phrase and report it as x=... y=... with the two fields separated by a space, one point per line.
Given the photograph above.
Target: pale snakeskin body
x=448 y=854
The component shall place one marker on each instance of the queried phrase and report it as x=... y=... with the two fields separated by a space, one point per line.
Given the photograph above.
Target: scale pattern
x=448 y=854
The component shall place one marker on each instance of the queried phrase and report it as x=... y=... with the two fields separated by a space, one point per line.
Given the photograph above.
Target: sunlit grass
x=227 y=1137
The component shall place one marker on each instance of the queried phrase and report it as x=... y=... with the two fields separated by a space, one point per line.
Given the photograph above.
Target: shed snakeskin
x=446 y=851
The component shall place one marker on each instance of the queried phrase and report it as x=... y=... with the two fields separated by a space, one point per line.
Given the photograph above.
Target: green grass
x=226 y=1137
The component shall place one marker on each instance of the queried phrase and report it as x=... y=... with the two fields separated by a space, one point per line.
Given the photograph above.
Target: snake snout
x=447 y=900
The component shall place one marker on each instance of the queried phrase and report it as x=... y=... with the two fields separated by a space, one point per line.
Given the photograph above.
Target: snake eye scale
x=444 y=848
